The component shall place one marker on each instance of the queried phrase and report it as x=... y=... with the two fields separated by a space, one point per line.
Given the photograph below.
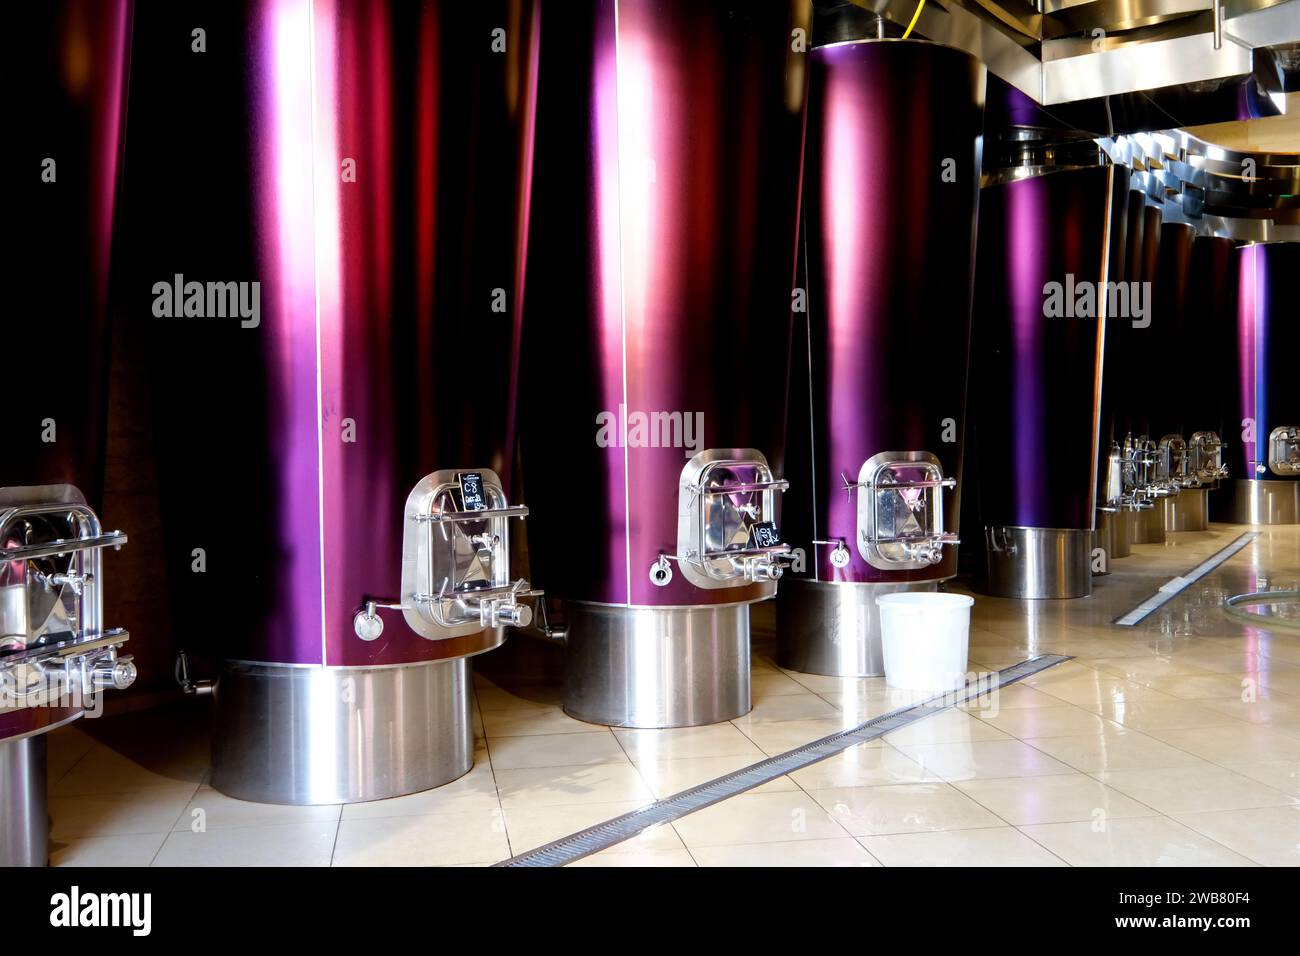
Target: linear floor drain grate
x=611 y=832
x=1176 y=586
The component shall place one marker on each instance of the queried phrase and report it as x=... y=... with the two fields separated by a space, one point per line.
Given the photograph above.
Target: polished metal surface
x=76 y=61
x=1284 y=450
x=456 y=559
x=1130 y=351
x=56 y=345
x=1262 y=501
x=1037 y=439
x=1071 y=71
x=23 y=819
x=1132 y=520
x=656 y=667
x=1115 y=532
x=1213 y=296
x=661 y=254
x=1103 y=540
x=55 y=654
x=726 y=500
x=1175 y=53
x=1038 y=563
x=371 y=174
x=1262 y=380
x=1150 y=527
x=877 y=396
x=1206 y=465
x=53 y=431
x=1167 y=344
x=1189 y=510
x=1121 y=524
x=1220 y=192
x=324 y=735
x=833 y=627
x=1117 y=14
x=901 y=524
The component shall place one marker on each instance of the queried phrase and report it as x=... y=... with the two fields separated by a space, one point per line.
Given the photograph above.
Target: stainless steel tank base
x=1266 y=501
x=1189 y=510
x=321 y=735
x=1131 y=521
x=1115 y=533
x=1103 y=540
x=23 y=820
x=1038 y=563
x=656 y=667
x=1150 y=528
x=833 y=627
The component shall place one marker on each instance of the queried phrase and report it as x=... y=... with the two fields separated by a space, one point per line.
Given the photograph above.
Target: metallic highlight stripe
x=1103 y=319
x=1176 y=586
x=604 y=835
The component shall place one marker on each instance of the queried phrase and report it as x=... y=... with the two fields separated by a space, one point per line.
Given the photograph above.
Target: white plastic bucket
x=925 y=637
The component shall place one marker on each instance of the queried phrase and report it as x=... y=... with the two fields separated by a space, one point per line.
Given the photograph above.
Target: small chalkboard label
x=471 y=491
x=765 y=534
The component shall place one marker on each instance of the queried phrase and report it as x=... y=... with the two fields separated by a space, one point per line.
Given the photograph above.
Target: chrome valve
x=900 y=510
x=505 y=613
x=455 y=560
x=52 y=646
x=1207 y=457
x=726 y=527
x=1284 y=450
x=764 y=568
x=118 y=674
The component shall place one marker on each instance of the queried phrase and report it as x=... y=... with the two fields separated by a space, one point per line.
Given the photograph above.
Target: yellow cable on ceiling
x=919 y=7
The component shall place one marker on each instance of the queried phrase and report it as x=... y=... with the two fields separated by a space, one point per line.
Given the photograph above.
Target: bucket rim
x=922 y=599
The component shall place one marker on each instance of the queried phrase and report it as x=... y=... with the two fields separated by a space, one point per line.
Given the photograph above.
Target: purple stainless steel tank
x=661 y=258
x=336 y=454
x=55 y=654
x=1046 y=252
x=1168 y=358
x=1169 y=329
x=1139 y=247
x=1211 y=326
x=879 y=359
x=1209 y=329
x=1129 y=384
x=1133 y=380
x=1265 y=465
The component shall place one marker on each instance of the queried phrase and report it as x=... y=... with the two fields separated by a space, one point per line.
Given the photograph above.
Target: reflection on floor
x=1173 y=743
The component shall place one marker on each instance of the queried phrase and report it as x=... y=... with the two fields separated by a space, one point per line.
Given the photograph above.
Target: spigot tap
x=765 y=569
x=506 y=613
x=77 y=582
x=118 y=673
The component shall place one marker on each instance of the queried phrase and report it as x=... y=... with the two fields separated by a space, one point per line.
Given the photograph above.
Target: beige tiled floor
x=1173 y=743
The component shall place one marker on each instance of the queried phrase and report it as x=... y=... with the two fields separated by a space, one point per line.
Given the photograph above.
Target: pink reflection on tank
x=288 y=273
x=1027 y=213
x=855 y=245
x=1246 y=358
x=609 y=328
